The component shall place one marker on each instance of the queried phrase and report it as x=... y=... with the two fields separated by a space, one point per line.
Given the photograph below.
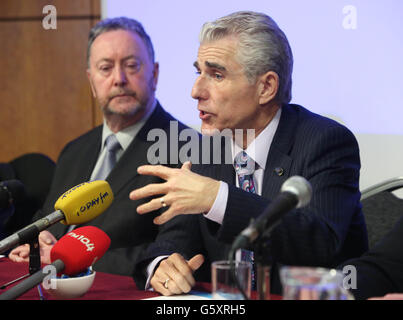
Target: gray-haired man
x=245 y=66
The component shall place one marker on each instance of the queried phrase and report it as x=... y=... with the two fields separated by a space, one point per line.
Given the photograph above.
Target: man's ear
x=156 y=72
x=91 y=84
x=268 y=87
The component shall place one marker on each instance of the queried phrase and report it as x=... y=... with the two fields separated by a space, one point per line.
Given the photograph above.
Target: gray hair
x=120 y=23
x=262 y=46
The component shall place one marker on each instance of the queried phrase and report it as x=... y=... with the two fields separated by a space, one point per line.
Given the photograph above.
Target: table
x=105 y=287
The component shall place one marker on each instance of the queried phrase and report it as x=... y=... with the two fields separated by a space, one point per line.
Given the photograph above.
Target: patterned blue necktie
x=245 y=167
x=112 y=146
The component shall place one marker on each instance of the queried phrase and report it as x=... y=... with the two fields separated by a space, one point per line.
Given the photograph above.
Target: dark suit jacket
x=324 y=233
x=129 y=231
x=379 y=271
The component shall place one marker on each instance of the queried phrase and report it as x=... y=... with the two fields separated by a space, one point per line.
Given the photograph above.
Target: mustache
x=122 y=93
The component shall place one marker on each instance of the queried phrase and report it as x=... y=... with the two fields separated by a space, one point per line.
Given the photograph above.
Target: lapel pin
x=279 y=171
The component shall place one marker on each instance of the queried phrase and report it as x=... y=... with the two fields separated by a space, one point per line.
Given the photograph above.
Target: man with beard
x=123 y=78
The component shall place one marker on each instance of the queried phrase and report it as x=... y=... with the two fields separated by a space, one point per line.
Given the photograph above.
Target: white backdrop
x=347 y=63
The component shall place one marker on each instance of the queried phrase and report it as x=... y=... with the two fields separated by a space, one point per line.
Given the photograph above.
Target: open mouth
x=203 y=115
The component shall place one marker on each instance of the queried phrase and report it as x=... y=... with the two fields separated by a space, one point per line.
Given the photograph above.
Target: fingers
x=179 y=272
x=158 y=285
x=156 y=170
x=175 y=275
x=157 y=204
x=46 y=242
x=155 y=189
x=45 y=237
x=184 y=192
x=196 y=262
x=166 y=216
x=152 y=205
x=187 y=165
x=45 y=254
x=20 y=254
x=163 y=283
x=148 y=191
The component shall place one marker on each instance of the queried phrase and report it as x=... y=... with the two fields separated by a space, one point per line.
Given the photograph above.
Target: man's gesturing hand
x=184 y=192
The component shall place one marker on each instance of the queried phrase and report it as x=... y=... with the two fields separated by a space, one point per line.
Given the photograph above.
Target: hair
x=120 y=23
x=262 y=46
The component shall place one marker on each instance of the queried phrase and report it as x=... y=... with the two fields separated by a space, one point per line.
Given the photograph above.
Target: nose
x=199 y=90
x=120 y=78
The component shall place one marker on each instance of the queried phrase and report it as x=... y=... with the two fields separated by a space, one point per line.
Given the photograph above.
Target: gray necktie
x=112 y=146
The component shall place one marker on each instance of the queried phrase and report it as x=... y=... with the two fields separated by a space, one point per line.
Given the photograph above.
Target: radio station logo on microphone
x=84 y=240
x=93 y=203
x=64 y=195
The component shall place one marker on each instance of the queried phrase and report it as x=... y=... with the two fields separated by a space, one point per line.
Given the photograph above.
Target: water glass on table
x=224 y=284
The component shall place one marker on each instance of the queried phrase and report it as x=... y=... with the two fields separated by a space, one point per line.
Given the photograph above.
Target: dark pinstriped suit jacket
x=329 y=230
x=129 y=231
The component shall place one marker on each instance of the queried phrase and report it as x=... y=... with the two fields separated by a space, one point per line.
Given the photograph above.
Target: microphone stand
x=263 y=267
x=262 y=262
x=34 y=256
x=231 y=256
x=34 y=264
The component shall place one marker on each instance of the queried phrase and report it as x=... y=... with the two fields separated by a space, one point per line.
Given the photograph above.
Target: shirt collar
x=126 y=136
x=259 y=148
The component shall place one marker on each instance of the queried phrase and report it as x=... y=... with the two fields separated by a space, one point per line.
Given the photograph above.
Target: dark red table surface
x=105 y=287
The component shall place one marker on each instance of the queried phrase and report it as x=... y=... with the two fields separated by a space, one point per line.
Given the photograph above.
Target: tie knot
x=112 y=144
x=243 y=164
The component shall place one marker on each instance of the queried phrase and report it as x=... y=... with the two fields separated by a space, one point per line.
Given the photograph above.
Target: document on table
x=192 y=295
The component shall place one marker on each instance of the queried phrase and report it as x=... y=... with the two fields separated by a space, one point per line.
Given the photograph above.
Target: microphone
x=72 y=254
x=296 y=192
x=11 y=191
x=78 y=205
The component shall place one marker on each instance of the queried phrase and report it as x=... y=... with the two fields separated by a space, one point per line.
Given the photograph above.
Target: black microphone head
x=300 y=187
x=11 y=191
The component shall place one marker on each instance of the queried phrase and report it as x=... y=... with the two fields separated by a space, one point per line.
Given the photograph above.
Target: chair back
x=381 y=208
x=35 y=171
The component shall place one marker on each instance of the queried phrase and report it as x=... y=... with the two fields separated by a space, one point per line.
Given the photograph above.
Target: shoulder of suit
x=161 y=119
x=91 y=135
x=309 y=118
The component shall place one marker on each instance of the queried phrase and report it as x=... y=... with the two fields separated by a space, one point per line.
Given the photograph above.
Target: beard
x=134 y=103
x=112 y=105
x=129 y=109
x=126 y=103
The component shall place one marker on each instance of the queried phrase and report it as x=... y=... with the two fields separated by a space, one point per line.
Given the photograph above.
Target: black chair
x=35 y=171
x=381 y=208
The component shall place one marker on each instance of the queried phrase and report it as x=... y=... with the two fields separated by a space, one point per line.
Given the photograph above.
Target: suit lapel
x=136 y=153
x=91 y=148
x=278 y=161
